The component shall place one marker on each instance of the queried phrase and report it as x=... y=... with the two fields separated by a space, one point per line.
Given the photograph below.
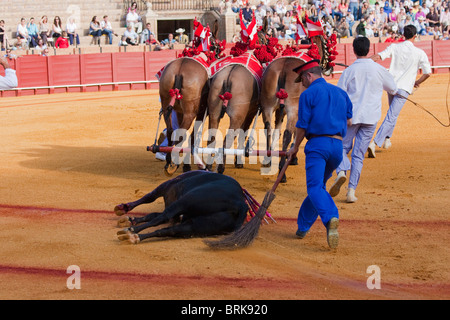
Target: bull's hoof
x=283 y=179
x=124 y=222
x=128 y=236
x=121 y=209
x=170 y=169
x=132 y=238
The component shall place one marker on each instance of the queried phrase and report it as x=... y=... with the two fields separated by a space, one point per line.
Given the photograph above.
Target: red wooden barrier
x=136 y=70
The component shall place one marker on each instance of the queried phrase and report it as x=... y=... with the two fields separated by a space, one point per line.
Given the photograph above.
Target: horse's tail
x=225 y=96
x=281 y=92
x=175 y=92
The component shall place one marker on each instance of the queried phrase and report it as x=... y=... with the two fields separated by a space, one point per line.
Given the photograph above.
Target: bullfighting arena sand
x=68 y=159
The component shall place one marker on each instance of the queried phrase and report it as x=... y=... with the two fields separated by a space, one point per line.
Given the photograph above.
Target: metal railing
x=170 y=5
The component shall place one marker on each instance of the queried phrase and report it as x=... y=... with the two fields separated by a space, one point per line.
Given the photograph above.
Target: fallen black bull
x=198 y=203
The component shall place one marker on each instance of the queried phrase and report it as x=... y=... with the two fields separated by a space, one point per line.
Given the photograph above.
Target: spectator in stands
x=353 y=5
x=45 y=52
x=130 y=36
x=3 y=37
x=236 y=5
x=20 y=44
x=361 y=28
x=71 y=29
x=56 y=28
x=421 y=26
x=433 y=18
x=343 y=28
x=107 y=29
x=280 y=8
x=44 y=29
x=444 y=19
x=95 y=30
x=169 y=42
x=382 y=19
x=145 y=35
x=9 y=54
x=41 y=46
x=181 y=38
x=22 y=32
x=247 y=13
x=446 y=35
x=365 y=9
x=33 y=32
x=9 y=81
x=133 y=18
x=419 y=14
x=62 y=42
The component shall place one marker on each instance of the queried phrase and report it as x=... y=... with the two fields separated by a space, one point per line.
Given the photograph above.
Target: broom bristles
x=245 y=235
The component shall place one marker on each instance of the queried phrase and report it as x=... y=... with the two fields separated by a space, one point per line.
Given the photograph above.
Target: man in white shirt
x=9 y=81
x=364 y=82
x=405 y=63
x=107 y=28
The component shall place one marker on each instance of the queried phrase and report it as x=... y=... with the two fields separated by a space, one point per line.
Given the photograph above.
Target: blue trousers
x=322 y=156
x=361 y=134
x=387 y=127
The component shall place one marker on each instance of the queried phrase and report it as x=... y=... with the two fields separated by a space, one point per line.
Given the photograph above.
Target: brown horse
x=184 y=87
x=241 y=108
x=241 y=104
x=279 y=75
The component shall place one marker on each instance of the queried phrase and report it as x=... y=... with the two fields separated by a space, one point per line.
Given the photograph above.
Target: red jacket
x=62 y=43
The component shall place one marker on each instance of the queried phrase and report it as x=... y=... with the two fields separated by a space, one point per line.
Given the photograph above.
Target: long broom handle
x=281 y=174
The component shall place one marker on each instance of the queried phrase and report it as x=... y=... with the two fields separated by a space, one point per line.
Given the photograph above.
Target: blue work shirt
x=323 y=109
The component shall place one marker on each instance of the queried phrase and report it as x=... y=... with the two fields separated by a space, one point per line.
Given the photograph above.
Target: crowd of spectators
x=347 y=18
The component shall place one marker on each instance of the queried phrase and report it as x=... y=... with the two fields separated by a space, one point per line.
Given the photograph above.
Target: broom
x=248 y=232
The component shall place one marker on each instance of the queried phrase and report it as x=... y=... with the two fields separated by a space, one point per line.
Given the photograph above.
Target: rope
x=431 y=114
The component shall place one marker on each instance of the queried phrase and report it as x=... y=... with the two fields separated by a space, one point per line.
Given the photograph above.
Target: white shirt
x=9 y=81
x=364 y=82
x=71 y=27
x=405 y=63
x=105 y=25
x=22 y=30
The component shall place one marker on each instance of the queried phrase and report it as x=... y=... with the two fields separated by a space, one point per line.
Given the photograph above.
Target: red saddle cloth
x=246 y=59
x=201 y=58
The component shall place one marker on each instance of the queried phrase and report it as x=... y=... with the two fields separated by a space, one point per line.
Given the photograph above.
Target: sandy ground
x=68 y=159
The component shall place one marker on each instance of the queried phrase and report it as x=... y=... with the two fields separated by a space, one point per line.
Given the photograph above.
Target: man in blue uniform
x=323 y=114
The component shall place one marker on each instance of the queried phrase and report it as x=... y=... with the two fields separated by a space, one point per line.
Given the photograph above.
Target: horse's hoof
x=169 y=169
x=239 y=166
x=220 y=169
x=294 y=162
x=186 y=168
x=209 y=167
x=121 y=209
x=124 y=222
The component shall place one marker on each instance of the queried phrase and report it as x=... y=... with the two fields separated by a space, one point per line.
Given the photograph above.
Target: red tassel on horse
x=281 y=94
